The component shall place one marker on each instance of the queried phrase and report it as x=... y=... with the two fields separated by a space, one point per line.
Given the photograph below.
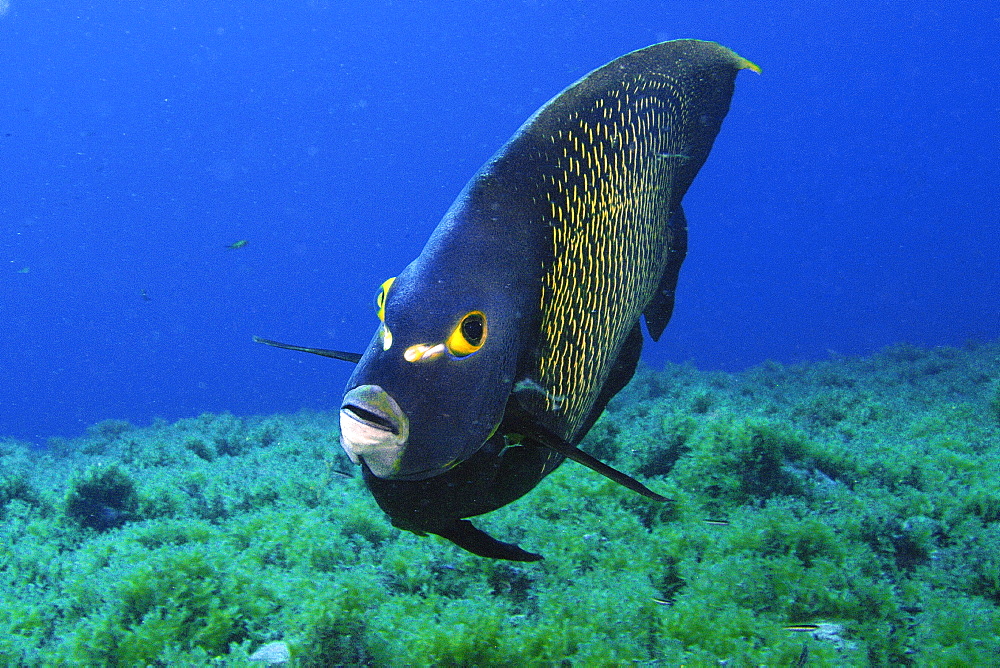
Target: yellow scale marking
x=609 y=240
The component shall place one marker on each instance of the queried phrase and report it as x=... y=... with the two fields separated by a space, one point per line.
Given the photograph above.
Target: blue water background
x=850 y=201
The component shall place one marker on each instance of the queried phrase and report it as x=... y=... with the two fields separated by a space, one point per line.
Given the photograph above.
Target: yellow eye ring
x=381 y=297
x=468 y=336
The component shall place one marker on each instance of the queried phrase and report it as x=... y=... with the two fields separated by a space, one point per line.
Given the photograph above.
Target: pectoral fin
x=580 y=457
x=516 y=420
x=353 y=358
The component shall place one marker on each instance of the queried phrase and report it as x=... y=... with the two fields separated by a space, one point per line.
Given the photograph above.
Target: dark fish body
x=503 y=341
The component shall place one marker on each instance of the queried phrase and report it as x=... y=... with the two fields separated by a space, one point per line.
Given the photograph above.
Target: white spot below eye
x=423 y=351
x=386 y=338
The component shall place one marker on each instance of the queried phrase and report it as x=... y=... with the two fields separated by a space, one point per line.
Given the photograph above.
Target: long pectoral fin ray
x=353 y=358
x=517 y=420
x=594 y=464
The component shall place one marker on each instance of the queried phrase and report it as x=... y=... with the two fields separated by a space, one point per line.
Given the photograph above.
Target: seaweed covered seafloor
x=844 y=512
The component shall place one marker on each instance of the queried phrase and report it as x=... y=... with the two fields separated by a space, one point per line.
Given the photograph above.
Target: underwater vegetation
x=846 y=511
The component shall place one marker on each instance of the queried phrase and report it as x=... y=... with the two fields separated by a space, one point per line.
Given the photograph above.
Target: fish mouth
x=373 y=429
x=371 y=418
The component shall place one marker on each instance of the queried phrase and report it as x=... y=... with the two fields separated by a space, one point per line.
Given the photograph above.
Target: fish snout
x=373 y=429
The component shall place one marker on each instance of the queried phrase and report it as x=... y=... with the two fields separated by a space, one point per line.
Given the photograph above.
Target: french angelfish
x=501 y=343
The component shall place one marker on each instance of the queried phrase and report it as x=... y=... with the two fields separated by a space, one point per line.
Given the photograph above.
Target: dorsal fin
x=658 y=312
x=603 y=168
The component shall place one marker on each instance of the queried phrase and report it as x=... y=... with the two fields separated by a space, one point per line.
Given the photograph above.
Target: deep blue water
x=850 y=201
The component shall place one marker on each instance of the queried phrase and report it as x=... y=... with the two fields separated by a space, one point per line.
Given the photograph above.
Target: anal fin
x=477 y=541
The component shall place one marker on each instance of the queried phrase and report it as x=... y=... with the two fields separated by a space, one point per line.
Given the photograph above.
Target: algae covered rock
x=103 y=498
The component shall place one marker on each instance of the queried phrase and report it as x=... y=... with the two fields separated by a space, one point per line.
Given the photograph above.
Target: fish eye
x=381 y=296
x=472 y=329
x=468 y=337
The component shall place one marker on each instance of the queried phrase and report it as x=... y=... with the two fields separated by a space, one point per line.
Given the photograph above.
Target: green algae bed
x=843 y=512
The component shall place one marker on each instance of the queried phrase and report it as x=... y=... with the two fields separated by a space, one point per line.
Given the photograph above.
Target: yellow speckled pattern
x=617 y=164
